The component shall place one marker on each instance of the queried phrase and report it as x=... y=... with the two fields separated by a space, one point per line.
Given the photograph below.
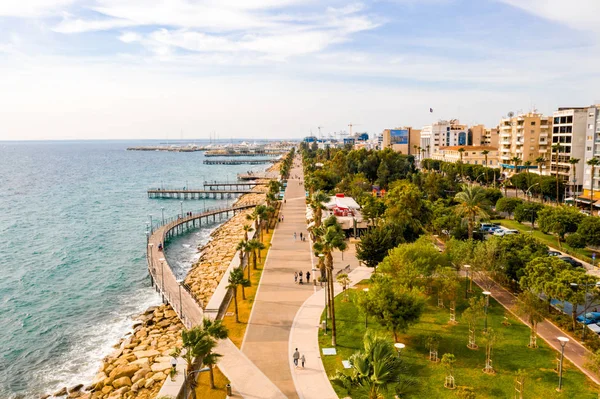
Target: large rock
x=160 y=366
x=118 y=394
x=122 y=382
x=125 y=371
x=141 y=373
x=149 y=383
x=97 y=382
x=150 y=353
x=61 y=392
x=143 y=362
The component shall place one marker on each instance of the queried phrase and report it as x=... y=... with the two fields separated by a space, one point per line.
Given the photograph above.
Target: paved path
x=574 y=351
x=278 y=297
x=312 y=381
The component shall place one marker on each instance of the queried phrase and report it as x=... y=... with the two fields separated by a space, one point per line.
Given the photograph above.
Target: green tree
x=405 y=205
x=541 y=162
x=540 y=276
x=375 y=244
x=393 y=306
x=255 y=247
x=375 y=370
x=589 y=229
x=331 y=238
x=531 y=307
x=516 y=251
x=527 y=212
x=215 y=330
x=556 y=148
x=343 y=280
x=316 y=203
x=247 y=229
x=471 y=316
x=372 y=209
x=448 y=285
x=508 y=204
x=411 y=264
x=559 y=220
x=448 y=361
x=236 y=279
x=470 y=205
x=243 y=248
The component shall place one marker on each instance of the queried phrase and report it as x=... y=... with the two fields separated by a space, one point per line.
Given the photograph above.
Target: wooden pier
x=230 y=185
x=189 y=310
x=258 y=175
x=238 y=161
x=243 y=154
x=196 y=194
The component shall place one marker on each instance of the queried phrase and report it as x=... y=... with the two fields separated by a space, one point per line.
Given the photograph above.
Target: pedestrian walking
x=296 y=357
x=302 y=359
x=294 y=236
x=295 y=277
x=301 y=236
x=300 y=276
x=308 y=277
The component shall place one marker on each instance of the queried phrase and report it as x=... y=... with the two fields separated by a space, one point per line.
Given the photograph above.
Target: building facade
x=444 y=134
x=471 y=155
x=526 y=136
x=569 y=131
x=399 y=139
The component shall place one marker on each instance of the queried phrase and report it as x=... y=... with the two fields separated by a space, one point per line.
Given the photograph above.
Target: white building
x=444 y=134
x=592 y=149
x=569 y=129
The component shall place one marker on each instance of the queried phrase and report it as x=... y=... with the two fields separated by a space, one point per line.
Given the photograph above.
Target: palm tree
x=470 y=205
x=247 y=229
x=255 y=246
x=375 y=369
x=271 y=198
x=244 y=248
x=331 y=238
x=541 y=161
x=460 y=152
x=485 y=155
x=316 y=203
x=236 y=278
x=574 y=162
x=556 y=148
x=216 y=330
x=593 y=162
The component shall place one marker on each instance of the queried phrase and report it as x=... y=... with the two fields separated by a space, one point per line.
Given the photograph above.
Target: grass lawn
x=238 y=330
x=548 y=239
x=509 y=354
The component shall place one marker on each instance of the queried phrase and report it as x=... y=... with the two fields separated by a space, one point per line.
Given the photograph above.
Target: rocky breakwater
x=140 y=363
x=205 y=275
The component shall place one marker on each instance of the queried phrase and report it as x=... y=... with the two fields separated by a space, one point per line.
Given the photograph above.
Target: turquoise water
x=72 y=222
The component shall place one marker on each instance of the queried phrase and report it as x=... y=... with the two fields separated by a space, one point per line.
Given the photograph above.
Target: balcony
x=543 y=151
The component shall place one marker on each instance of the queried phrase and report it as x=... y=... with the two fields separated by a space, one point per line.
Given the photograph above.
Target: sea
x=73 y=222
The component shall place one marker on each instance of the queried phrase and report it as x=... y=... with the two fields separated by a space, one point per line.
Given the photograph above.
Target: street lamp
x=162 y=272
x=180 y=307
x=181 y=203
x=321 y=256
x=150 y=245
x=528 y=192
x=162 y=211
x=467 y=267
x=399 y=346
x=150 y=216
x=563 y=342
x=365 y=290
x=487 y=305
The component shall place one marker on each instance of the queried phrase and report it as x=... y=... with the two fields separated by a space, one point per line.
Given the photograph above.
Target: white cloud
x=577 y=14
x=32 y=8
x=130 y=37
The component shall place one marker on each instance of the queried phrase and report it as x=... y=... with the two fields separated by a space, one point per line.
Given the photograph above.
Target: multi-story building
x=471 y=155
x=526 y=136
x=569 y=132
x=492 y=137
x=401 y=139
x=592 y=150
x=444 y=134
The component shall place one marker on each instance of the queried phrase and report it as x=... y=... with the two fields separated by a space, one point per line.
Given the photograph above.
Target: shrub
x=576 y=240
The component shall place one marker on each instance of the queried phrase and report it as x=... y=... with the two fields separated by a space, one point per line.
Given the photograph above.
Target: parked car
x=570 y=261
x=554 y=253
x=511 y=231
x=589 y=318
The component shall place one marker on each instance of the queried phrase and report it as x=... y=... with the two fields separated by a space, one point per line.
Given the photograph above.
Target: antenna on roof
x=511 y=114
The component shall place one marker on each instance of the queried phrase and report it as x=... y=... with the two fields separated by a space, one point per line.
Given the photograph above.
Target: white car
x=505 y=232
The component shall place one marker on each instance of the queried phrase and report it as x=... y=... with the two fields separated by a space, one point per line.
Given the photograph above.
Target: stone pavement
x=278 y=298
x=312 y=381
x=574 y=351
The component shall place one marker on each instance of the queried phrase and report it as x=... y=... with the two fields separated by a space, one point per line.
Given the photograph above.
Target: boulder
x=162 y=359
x=150 y=353
x=122 y=382
x=158 y=376
x=76 y=388
x=107 y=389
x=143 y=362
x=98 y=380
x=125 y=371
x=44 y=396
x=73 y=395
x=160 y=366
x=141 y=373
x=60 y=392
x=148 y=384
x=118 y=394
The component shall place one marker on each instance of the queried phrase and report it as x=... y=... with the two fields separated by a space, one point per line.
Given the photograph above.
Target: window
x=568 y=139
x=556 y=120
x=555 y=129
x=531 y=148
x=533 y=123
x=570 y=119
x=475 y=162
x=588 y=149
x=532 y=131
x=563 y=119
x=555 y=139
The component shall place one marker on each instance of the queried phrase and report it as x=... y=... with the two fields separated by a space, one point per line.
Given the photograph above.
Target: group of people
x=302 y=237
x=297 y=358
x=298 y=277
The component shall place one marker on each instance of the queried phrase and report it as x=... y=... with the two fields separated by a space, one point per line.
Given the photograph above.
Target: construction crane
x=352 y=124
x=319 y=127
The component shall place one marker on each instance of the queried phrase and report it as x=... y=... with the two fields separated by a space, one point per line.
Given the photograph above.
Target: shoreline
x=140 y=362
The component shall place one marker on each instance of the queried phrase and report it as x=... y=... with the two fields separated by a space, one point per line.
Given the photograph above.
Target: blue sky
x=83 y=69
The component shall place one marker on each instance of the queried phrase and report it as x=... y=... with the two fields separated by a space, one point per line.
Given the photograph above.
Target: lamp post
x=321 y=256
x=528 y=192
x=162 y=272
x=399 y=346
x=179 y=282
x=487 y=305
x=366 y=314
x=150 y=251
x=181 y=204
x=162 y=211
x=150 y=216
x=467 y=267
x=563 y=342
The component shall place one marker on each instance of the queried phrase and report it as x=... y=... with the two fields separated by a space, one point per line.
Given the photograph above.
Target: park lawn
x=509 y=354
x=584 y=254
x=238 y=330
x=203 y=389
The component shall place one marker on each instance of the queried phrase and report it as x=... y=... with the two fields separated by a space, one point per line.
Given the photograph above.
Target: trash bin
x=228 y=389
x=324 y=325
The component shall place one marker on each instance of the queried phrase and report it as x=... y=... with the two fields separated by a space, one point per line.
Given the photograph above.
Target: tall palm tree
x=316 y=203
x=236 y=278
x=247 y=229
x=470 y=205
x=375 y=369
x=485 y=155
x=516 y=160
x=216 y=330
x=574 y=162
x=541 y=161
x=254 y=247
x=331 y=238
x=243 y=248
x=593 y=162
x=556 y=148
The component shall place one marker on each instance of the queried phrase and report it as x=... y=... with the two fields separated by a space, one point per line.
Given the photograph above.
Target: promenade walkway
x=278 y=298
x=312 y=381
x=574 y=351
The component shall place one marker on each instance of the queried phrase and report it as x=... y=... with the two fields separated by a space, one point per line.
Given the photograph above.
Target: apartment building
x=592 y=150
x=444 y=134
x=402 y=139
x=569 y=130
x=492 y=137
x=526 y=136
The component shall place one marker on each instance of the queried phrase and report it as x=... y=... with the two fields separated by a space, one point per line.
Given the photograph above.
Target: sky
x=191 y=69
